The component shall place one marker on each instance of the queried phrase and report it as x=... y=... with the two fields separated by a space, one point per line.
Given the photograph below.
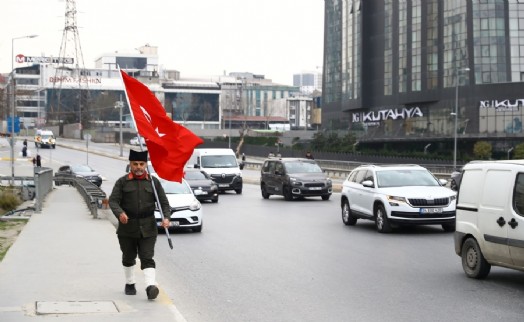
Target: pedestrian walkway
x=66 y=266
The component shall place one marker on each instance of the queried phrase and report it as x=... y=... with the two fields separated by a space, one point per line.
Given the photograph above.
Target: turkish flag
x=170 y=145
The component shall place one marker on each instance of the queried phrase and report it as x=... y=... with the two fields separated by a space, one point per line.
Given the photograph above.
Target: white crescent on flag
x=148 y=117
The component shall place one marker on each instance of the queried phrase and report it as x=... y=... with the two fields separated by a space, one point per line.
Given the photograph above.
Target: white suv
x=393 y=195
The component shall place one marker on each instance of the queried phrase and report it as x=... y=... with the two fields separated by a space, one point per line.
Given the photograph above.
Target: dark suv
x=294 y=178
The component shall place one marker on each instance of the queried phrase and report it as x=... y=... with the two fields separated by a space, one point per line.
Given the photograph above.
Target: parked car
x=67 y=173
x=204 y=188
x=393 y=195
x=136 y=140
x=294 y=178
x=186 y=210
x=490 y=217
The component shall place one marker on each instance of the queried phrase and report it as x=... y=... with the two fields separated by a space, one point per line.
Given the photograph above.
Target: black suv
x=294 y=177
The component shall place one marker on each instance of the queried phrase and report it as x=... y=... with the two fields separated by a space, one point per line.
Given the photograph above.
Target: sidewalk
x=66 y=266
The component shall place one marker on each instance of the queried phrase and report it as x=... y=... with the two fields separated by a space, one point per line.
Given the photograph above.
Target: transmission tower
x=70 y=87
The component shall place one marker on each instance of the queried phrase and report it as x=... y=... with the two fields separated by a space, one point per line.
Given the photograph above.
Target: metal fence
x=91 y=193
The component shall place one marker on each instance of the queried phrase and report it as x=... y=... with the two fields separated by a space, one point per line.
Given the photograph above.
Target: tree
x=482 y=150
x=518 y=153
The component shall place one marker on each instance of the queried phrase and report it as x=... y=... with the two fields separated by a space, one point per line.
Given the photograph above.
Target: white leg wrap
x=130 y=274
x=150 y=276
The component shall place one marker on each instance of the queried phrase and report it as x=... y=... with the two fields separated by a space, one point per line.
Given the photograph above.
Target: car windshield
x=172 y=187
x=403 y=178
x=219 y=161
x=81 y=168
x=302 y=167
x=194 y=175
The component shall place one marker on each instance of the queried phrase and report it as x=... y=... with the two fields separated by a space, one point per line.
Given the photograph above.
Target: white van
x=490 y=216
x=45 y=138
x=221 y=165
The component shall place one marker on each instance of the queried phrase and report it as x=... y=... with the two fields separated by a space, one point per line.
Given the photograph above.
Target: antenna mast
x=70 y=83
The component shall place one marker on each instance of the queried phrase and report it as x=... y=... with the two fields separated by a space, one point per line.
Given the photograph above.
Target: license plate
x=428 y=211
x=223 y=185
x=315 y=188
x=198 y=192
x=175 y=223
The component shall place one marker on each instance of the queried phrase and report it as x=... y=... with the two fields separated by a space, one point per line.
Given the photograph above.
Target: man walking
x=132 y=201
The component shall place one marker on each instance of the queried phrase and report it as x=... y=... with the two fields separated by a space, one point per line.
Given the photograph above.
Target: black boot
x=130 y=289
x=152 y=292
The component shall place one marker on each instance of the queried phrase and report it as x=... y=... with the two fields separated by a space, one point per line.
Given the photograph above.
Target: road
x=272 y=260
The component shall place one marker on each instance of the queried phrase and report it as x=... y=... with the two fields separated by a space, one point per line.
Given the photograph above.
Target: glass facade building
x=395 y=71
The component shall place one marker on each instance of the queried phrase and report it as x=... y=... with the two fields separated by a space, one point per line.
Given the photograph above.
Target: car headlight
x=395 y=200
x=453 y=198
x=295 y=182
x=195 y=205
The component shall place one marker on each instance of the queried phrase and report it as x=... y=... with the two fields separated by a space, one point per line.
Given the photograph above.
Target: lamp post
x=457 y=70
x=13 y=90
x=120 y=105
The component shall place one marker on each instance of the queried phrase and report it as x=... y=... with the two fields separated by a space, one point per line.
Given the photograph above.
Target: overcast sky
x=199 y=38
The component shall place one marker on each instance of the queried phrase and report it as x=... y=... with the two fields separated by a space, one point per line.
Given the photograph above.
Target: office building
x=416 y=72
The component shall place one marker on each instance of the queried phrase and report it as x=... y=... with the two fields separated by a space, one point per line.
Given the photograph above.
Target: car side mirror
x=368 y=184
x=196 y=166
x=443 y=182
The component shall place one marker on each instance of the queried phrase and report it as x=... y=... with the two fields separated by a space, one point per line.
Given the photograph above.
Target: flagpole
x=147 y=163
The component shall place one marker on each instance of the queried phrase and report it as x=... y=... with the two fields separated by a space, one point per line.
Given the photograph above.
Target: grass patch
x=9 y=231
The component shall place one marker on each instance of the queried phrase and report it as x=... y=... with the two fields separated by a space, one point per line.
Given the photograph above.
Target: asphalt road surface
x=272 y=260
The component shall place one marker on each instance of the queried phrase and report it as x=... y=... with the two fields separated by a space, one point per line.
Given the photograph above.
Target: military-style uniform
x=136 y=198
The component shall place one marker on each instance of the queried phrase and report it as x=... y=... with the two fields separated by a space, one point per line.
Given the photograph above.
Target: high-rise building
x=308 y=81
x=425 y=71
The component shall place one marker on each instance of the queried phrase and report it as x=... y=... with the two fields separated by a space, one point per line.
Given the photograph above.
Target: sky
x=199 y=38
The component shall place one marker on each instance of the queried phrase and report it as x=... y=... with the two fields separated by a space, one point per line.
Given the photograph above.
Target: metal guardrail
x=36 y=187
x=43 y=183
x=91 y=193
x=341 y=169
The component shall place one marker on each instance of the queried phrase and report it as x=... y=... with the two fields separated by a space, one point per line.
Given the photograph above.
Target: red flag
x=170 y=145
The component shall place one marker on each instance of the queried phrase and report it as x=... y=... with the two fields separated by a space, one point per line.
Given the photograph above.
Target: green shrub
x=8 y=201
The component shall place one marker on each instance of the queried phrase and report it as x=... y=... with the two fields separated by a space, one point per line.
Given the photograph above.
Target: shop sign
x=503 y=105
x=44 y=60
x=374 y=117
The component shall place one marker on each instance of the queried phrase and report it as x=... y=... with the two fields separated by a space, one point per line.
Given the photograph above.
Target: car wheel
x=326 y=197
x=347 y=217
x=238 y=191
x=57 y=183
x=453 y=185
x=214 y=200
x=288 y=195
x=381 y=220
x=265 y=195
x=448 y=227
x=473 y=262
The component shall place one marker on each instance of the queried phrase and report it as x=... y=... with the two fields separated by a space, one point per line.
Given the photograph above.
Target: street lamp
x=457 y=70
x=120 y=105
x=13 y=89
x=509 y=151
